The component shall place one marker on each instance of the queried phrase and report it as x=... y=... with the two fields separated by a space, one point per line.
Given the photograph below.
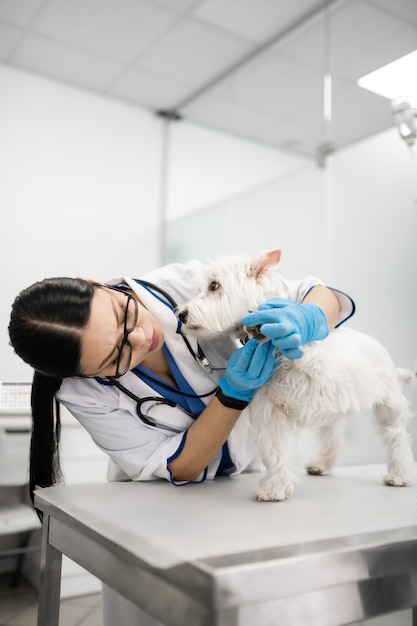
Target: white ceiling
x=249 y=67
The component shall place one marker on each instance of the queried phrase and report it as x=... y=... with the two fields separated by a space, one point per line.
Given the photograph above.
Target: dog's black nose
x=182 y=316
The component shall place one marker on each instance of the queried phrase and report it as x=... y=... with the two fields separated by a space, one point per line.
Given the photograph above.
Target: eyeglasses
x=129 y=324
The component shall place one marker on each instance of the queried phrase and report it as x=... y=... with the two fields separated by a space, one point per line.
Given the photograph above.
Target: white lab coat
x=139 y=451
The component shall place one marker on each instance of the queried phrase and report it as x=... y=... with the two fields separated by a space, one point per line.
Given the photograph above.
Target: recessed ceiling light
x=397 y=79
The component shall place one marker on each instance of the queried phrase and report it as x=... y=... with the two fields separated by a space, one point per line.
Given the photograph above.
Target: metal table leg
x=50 y=582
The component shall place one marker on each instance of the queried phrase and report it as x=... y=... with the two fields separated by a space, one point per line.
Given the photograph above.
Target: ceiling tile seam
x=136 y=62
x=255 y=52
x=186 y=11
x=156 y=41
x=125 y=66
x=27 y=26
x=31 y=29
x=9 y=57
x=71 y=46
x=398 y=16
x=24 y=30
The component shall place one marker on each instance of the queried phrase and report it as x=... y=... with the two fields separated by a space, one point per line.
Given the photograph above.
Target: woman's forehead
x=101 y=333
x=106 y=296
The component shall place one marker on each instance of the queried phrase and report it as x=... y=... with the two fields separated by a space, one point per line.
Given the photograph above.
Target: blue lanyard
x=193 y=405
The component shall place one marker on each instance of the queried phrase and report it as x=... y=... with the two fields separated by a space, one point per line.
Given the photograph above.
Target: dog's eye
x=213 y=285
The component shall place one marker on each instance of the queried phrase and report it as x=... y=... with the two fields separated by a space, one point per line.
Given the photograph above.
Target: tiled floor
x=18 y=607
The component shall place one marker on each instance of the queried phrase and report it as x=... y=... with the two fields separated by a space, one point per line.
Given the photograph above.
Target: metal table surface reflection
x=341 y=549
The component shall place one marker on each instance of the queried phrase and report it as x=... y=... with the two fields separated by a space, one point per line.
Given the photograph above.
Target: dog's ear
x=261 y=265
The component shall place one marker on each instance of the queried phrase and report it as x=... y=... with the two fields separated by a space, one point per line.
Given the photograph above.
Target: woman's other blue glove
x=289 y=325
x=247 y=369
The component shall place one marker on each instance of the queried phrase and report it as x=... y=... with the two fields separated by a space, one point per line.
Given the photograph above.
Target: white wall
x=80 y=194
x=80 y=189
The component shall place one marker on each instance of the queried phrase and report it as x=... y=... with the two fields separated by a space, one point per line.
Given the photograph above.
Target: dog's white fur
x=348 y=371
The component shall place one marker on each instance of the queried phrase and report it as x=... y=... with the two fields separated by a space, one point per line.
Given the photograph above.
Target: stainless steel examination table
x=342 y=548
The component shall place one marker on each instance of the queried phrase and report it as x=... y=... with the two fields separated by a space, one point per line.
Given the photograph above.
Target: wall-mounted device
x=405 y=118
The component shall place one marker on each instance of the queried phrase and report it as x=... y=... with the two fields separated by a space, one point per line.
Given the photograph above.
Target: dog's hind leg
x=392 y=419
x=276 y=442
x=328 y=439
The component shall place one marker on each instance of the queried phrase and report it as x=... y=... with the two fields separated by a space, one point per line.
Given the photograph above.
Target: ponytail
x=46 y=324
x=44 y=465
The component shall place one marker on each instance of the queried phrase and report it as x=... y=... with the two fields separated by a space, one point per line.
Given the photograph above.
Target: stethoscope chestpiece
x=205 y=364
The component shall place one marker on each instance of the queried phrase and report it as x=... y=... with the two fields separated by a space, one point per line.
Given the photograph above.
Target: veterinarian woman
x=103 y=349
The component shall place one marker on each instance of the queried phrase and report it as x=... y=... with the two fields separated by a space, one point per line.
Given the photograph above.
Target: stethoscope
x=154 y=401
x=198 y=356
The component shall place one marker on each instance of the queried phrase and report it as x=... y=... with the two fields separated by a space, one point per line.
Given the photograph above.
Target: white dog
x=347 y=371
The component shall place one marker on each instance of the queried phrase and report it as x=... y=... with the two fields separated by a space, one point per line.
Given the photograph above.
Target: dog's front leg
x=275 y=434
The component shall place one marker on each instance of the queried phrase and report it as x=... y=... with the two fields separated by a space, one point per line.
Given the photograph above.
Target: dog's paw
x=316 y=470
x=273 y=491
x=396 y=480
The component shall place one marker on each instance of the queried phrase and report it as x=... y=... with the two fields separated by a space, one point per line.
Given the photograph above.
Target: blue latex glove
x=249 y=368
x=289 y=325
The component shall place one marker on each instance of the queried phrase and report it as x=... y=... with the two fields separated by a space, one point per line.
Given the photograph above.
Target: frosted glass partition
x=346 y=216
x=288 y=212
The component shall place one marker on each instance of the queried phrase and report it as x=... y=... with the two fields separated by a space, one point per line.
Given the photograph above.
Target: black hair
x=45 y=329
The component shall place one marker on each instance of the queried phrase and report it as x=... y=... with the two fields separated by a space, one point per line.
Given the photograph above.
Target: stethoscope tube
x=198 y=356
x=156 y=401
x=139 y=401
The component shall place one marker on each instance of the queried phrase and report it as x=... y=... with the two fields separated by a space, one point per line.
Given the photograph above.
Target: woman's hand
x=249 y=368
x=289 y=325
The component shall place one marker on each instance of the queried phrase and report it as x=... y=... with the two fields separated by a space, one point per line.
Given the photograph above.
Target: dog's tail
x=406 y=376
